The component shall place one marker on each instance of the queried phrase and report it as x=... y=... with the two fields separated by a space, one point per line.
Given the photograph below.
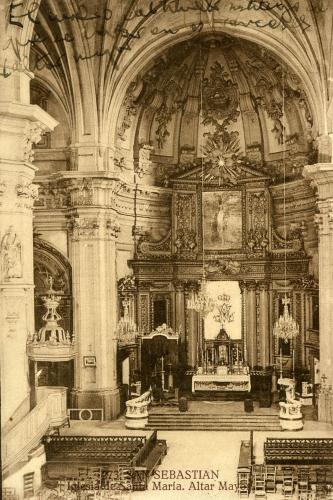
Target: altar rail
x=301 y=451
x=27 y=434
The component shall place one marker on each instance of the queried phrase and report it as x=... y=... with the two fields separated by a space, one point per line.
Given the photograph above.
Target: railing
x=137 y=411
x=26 y=435
x=86 y=414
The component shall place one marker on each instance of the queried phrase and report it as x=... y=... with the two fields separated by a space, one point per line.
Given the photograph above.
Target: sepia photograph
x=166 y=249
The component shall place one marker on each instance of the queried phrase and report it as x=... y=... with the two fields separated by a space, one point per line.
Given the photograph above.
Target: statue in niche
x=11 y=255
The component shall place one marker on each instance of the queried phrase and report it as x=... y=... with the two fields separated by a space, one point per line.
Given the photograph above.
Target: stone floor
x=211 y=456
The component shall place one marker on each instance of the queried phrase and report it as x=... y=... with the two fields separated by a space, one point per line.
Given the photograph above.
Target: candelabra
x=287 y=330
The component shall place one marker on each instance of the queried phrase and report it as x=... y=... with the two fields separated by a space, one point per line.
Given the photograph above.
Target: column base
x=107 y=399
x=325 y=406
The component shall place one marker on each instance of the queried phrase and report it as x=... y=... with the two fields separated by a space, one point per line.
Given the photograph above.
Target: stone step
x=203 y=419
x=256 y=428
x=213 y=421
x=211 y=416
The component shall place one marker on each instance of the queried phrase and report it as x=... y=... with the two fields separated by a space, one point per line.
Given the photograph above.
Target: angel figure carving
x=11 y=255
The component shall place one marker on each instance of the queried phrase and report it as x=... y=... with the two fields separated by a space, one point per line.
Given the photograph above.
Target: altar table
x=228 y=383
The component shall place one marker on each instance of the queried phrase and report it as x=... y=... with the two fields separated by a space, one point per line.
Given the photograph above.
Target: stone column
x=191 y=328
x=180 y=324
x=322 y=177
x=251 y=323
x=21 y=125
x=93 y=232
x=180 y=308
x=264 y=324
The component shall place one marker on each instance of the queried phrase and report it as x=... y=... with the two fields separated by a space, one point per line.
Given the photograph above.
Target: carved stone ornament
x=127 y=284
x=94 y=228
x=130 y=108
x=27 y=193
x=3 y=188
x=32 y=134
x=112 y=228
x=224 y=267
x=149 y=249
x=306 y=283
x=144 y=163
x=294 y=244
x=11 y=255
x=84 y=228
x=82 y=192
x=324 y=220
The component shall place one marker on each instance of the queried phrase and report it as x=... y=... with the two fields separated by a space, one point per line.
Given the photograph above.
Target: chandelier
x=286 y=327
x=200 y=301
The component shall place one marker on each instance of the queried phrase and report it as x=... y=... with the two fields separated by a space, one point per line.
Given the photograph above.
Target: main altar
x=223 y=231
x=223 y=367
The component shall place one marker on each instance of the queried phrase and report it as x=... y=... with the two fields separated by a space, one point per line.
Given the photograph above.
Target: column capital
x=23 y=124
x=321 y=177
x=178 y=285
x=251 y=285
x=93 y=226
x=263 y=286
x=81 y=190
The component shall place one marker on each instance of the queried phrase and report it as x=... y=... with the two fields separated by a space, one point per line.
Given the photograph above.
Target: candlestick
x=293 y=363
x=281 y=362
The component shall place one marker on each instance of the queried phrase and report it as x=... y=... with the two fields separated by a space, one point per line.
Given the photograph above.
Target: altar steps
x=174 y=421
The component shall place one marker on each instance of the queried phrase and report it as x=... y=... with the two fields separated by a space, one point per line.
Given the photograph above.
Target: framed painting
x=222 y=220
x=89 y=360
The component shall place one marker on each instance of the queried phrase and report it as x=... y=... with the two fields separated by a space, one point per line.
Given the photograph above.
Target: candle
x=162 y=372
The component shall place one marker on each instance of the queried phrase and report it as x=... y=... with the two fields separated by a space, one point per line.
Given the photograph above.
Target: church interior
x=166 y=235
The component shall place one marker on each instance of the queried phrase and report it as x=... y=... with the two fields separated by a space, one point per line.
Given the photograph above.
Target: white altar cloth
x=228 y=382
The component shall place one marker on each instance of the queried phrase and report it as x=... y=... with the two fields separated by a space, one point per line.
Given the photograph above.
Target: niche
x=160 y=310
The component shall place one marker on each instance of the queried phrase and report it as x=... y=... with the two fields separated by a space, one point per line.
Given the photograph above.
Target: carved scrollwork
x=185 y=239
x=294 y=244
x=147 y=248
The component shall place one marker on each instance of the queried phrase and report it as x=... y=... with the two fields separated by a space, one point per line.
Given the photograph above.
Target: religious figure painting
x=222 y=214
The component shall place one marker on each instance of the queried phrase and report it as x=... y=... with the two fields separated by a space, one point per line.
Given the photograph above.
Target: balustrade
x=49 y=412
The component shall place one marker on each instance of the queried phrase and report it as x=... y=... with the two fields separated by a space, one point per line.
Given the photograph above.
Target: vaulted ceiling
x=218 y=97
x=93 y=56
